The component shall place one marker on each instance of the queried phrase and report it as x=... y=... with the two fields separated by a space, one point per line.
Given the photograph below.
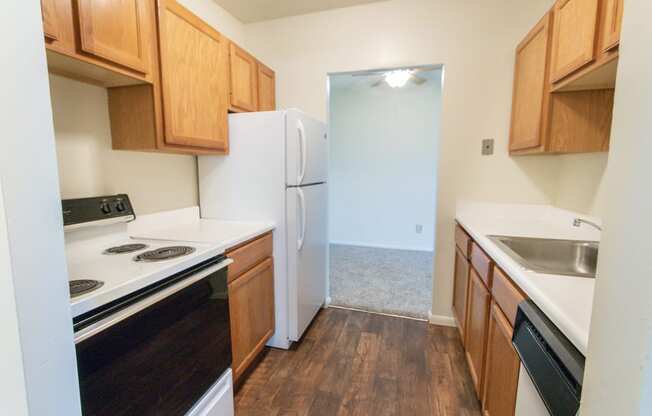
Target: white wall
x=89 y=167
x=383 y=163
x=87 y=164
x=33 y=231
x=475 y=40
x=581 y=185
x=12 y=383
x=618 y=373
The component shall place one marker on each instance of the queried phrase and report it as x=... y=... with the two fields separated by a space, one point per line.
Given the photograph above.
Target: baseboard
x=441 y=320
x=377 y=313
x=389 y=247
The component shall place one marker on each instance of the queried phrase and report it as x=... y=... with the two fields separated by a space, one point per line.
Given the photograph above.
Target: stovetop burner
x=125 y=248
x=83 y=286
x=164 y=253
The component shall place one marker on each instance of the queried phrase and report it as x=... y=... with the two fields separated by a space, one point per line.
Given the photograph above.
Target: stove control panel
x=99 y=210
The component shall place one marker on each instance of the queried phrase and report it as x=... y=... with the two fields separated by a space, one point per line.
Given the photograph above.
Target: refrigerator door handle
x=304 y=151
x=302 y=235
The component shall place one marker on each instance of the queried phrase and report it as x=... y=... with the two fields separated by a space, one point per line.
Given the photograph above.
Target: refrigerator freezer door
x=307 y=149
x=307 y=255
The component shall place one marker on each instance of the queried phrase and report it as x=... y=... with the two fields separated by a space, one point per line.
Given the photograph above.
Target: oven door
x=157 y=351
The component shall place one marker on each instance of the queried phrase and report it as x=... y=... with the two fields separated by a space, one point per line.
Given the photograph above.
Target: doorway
x=384 y=140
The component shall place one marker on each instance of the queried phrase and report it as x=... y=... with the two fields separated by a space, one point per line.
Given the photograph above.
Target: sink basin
x=565 y=257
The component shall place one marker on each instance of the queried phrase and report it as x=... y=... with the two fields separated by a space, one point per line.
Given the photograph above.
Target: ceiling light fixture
x=397 y=78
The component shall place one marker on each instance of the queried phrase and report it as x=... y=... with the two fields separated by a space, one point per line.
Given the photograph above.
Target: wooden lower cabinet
x=501 y=367
x=251 y=305
x=490 y=308
x=477 y=311
x=460 y=290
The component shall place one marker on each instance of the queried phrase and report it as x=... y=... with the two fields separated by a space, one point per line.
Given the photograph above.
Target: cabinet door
x=244 y=77
x=194 y=79
x=501 y=368
x=461 y=284
x=115 y=31
x=50 y=19
x=476 y=328
x=251 y=305
x=266 y=88
x=611 y=24
x=530 y=94
x=574 y=35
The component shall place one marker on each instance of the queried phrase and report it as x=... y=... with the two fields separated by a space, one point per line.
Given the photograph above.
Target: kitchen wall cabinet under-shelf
x=586 y=39
x=84 y=42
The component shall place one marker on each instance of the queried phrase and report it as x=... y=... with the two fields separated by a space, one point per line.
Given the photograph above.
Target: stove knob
x=120 y=206
x=106 y=208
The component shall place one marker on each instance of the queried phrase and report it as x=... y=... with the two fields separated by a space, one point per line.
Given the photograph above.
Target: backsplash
x=581 y=184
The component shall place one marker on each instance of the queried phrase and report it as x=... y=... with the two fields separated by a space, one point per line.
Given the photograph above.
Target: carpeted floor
x=397 y=282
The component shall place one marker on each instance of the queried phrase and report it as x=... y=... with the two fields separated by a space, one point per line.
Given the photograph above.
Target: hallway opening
x=384 y=134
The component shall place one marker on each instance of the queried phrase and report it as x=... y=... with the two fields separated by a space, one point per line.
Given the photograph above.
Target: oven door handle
x=131 y=310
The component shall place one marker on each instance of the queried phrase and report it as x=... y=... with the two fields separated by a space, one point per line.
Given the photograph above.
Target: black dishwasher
x=555 y=366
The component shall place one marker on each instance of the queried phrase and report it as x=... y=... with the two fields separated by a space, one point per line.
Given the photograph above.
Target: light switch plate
x=488 y=147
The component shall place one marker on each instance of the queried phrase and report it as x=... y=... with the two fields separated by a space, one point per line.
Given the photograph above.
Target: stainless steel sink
x=565 y=257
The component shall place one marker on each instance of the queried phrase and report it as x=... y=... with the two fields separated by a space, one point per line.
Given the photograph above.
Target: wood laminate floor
x=356 y=363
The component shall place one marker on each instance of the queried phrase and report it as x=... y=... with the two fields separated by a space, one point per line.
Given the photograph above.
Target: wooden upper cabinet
x=115 y=31
x=530 y=93
x=194 y=79
x=50 y=20
x=244 y=80
x=477 y=311
x=574 y=36
x=612 y=16
x=501 y=367
x=266 y=88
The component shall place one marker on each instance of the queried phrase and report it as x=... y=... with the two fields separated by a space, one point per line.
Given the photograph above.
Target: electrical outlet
x=488 y=147
x=419 y=228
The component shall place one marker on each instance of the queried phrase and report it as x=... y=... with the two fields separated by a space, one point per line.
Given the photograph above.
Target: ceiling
x=249 y=11
x=349 y=81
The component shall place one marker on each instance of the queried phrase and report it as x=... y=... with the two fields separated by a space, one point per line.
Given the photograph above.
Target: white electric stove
x=107 y=255
x=150 y=317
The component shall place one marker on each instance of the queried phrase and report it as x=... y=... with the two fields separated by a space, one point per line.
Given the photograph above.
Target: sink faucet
x=578 y=221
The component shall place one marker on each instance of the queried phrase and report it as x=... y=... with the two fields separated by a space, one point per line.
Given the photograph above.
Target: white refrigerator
x=277 y=170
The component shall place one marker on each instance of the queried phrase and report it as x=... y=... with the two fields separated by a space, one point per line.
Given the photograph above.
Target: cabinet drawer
x=481 y=263
x=249 y=254
x=462 y=240
x=506 y=294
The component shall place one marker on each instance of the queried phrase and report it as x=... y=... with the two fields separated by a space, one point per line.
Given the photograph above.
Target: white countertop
x=186 y=225
x=566 y=300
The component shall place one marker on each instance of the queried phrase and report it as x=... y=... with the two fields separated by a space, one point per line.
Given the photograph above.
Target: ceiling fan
x=395 y=78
